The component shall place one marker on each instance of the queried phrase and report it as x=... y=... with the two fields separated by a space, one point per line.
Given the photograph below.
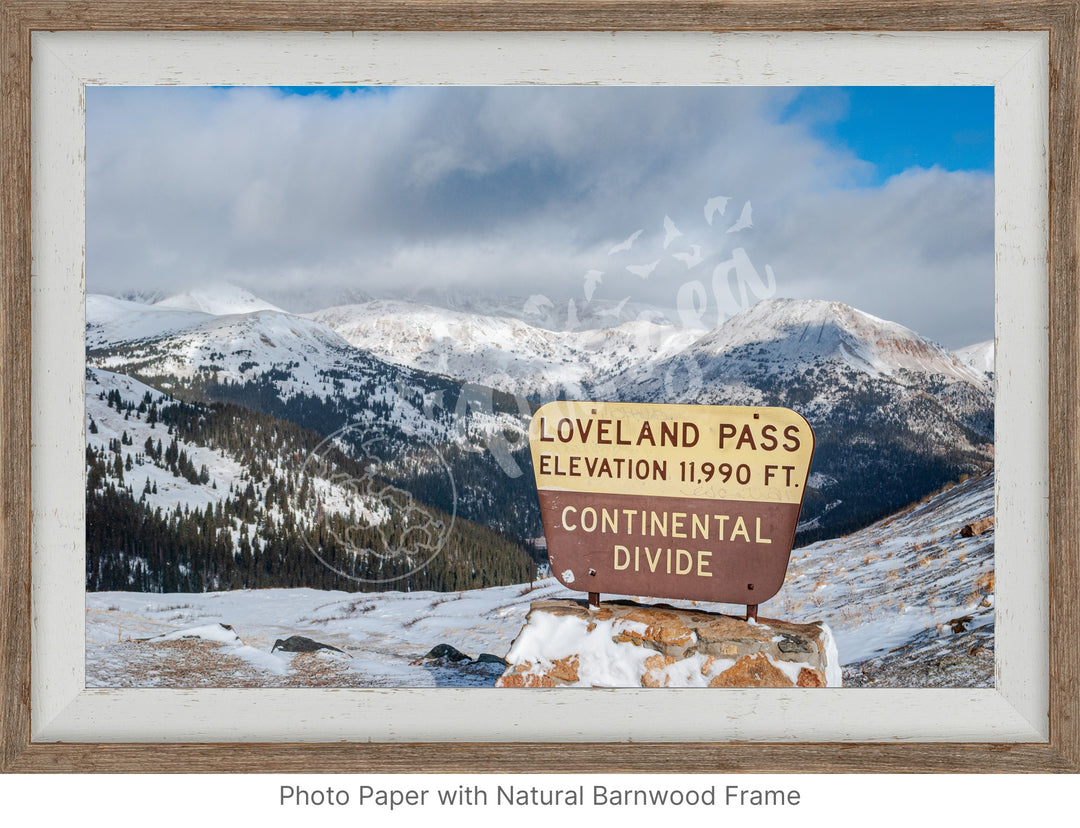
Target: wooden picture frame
x=20 y=19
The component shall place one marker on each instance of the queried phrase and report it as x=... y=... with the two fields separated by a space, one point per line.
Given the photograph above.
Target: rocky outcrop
x=977 y=528
x=621 y=644
x=443 y=652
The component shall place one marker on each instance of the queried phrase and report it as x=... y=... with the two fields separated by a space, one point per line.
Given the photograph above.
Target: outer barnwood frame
x=1060 y=18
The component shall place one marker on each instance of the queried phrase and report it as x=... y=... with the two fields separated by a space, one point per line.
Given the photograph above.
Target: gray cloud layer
x=518 y=191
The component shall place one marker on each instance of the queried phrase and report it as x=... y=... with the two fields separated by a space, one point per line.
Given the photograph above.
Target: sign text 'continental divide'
x=674 y=501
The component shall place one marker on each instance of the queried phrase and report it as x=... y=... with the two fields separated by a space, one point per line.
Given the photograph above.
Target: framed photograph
x=288 y=288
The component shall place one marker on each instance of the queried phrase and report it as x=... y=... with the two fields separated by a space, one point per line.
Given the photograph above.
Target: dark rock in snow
x=300 y=644
x=445 y=652
x=488 y=658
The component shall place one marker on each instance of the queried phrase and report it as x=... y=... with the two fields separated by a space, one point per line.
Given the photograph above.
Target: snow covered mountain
x=111 y=321
x=896 y=416
x=298 y=357
x=501 y=351
x=784 y=337
x=220 y=299
x=559 y=314
x=297 y=369
x=980 y=359
x=229 y=346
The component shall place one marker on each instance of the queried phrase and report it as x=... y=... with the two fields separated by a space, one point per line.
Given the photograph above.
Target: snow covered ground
x=911 y=579
x=909 y=599
x=381 y=634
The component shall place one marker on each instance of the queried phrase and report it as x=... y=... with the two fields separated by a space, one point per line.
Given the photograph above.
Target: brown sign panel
x=671 y=501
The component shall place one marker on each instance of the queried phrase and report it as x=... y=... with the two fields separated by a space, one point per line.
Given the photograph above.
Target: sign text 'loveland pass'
x=674 y=501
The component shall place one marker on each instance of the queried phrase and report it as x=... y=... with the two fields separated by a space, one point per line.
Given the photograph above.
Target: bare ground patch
x=194 y=663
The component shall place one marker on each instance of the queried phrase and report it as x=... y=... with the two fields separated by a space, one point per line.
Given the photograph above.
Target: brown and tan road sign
x=670 y=501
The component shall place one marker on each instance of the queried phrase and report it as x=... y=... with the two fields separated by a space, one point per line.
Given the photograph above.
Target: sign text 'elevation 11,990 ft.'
x=670 y=501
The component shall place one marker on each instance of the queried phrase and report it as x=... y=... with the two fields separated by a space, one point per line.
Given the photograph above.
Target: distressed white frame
x=1015 y=63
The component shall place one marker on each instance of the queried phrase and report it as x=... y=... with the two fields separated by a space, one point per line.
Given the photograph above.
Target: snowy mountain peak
x=781 y=316
x=217 y=300
x=110 y=321
x=803 y=330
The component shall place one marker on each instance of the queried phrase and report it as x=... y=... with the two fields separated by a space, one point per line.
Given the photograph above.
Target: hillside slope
x=910 y=601
x=193 y=497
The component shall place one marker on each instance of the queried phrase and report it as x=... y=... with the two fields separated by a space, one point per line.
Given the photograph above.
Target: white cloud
x=518 y=190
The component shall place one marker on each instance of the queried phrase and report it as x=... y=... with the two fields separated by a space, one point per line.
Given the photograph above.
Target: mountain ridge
x=896 y=415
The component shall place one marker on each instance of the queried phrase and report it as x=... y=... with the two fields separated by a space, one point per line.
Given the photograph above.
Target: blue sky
x=900 y=127
x=881 y=198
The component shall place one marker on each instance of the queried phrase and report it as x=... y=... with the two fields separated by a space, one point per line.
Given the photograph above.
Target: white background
x=879 y=801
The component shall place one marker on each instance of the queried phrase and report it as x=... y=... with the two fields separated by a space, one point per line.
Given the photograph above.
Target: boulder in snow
x=443 y=652
x=978 y=527
x=301 y=644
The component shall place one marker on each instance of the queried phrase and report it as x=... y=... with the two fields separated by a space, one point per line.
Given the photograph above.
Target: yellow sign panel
x=696 y=451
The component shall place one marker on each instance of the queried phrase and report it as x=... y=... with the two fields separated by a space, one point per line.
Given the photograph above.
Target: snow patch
x=210 y=632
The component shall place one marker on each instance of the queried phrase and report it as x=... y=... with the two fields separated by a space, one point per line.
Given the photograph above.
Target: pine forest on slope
x=192 y=497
